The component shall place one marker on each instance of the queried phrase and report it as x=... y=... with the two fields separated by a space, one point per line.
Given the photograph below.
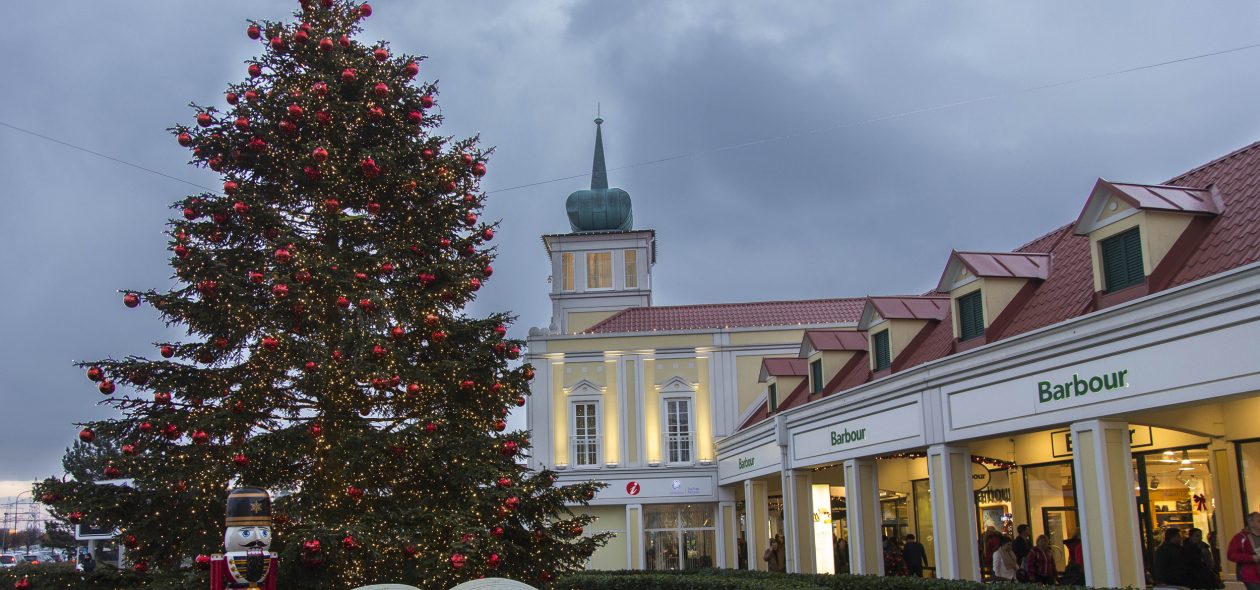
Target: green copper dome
x=599 y=208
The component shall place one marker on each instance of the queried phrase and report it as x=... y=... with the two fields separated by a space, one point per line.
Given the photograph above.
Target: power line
x=735 y=146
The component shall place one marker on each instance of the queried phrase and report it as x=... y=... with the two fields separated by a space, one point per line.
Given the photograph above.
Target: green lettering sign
x=1078 y=386
x=847 y=436
x=746 y=462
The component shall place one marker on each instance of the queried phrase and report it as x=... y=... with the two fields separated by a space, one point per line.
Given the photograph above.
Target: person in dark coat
x=1170 y=567
x=1202 y=570
x=1023 y=543
x=915 y=556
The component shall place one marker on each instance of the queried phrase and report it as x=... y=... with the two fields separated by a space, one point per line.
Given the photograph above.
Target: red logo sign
x=632 y=488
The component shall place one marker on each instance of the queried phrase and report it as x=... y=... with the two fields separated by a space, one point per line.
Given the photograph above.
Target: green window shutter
x=883 y=353
x=774 y=397
x=970 y=316
x=815 y=376
x=1122 y=260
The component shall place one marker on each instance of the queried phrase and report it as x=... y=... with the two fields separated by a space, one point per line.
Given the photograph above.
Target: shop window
x=585 y=434
x=970 y=316
x=1122 y=260
x=883 y=351
x=1249 y=470
x=566 y=271
x=815 y=377
x=1050 y=492
x=679 y=536
x=678 y=430
x=632 y=269
x=1174 y=491
x=599 y=270
x=772 y=395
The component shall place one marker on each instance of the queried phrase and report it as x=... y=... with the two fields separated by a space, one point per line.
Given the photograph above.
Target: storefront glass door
x=679 y=536
x=1175 y=491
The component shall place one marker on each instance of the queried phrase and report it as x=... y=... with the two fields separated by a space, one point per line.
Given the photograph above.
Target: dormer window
x=883 y=350
x=1122 y=260
x=816 y=377
x=970 y=316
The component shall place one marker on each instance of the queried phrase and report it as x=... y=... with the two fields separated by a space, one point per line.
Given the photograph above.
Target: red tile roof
x=783 y=367
x=836 y=339
x=733 y=315
x=1230 y=239
x=1017 y=265
x=1164 y=197
x=923 y=307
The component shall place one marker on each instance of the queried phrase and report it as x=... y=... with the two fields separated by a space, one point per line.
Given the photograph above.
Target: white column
x=953 y=512
x=1226 y=492
x=728 y=535
x=866 y=544
x=1102 y=463
x=798 y=521
x=756 y=522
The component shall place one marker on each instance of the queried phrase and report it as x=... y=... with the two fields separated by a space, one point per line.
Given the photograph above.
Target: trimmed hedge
x=64 y=577
x=724 y=579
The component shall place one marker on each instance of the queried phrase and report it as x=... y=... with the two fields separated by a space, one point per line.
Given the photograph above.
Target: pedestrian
x=1022 y=545
x=741 y=551
x=1244 y=550
x=87 y=562
x=1202 y=571
x=894 y=562
x=1040 y=562
x=1005 y=567
x=915 y=556
x=842 y=556
x=1170 y=567
x=774 y=557
x=989 y=543
x=1074 y=571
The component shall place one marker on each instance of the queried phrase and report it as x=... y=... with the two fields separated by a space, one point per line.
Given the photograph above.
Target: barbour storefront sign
x=847 y=436
x=1048 y=391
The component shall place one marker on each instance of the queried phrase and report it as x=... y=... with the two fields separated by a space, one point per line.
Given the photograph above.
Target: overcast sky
x=854 y=210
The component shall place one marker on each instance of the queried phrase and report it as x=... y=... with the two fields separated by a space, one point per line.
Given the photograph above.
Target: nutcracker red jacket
x=221 y=579
x=1243 y=553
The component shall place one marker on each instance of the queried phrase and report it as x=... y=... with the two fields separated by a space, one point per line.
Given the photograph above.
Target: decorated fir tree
x=327 y=358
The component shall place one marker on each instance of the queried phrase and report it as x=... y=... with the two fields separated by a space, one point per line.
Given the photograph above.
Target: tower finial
x=599 y=171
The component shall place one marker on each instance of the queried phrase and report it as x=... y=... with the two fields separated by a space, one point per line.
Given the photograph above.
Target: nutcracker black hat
x=248 y=507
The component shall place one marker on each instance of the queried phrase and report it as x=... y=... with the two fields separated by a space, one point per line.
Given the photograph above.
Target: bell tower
x=604 y=265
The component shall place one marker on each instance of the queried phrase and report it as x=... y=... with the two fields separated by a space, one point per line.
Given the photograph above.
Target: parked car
x=7 y=561
x=29 y=559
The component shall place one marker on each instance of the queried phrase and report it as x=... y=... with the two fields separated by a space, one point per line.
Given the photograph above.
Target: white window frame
x=572 y=274
x=612 y=270
x=689 y=437
x=628 y=276
x=599 y=433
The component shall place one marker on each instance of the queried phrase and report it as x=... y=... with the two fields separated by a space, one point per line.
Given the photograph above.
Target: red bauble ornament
x=415 y=117
x=496 y=532
x=146 y=427
x=23 y=584
x=105 y=386
x=190 y=213
x=301 y=37
x=437 y=336
x=508 y=448
x=354 y=492
x=181 y=251
x=365 y=10
x=240 y=459
x=171 y=431
x=288 y=127
x=277 y=43
x=184 y=139
x=87 y=435
x=302 y=276
x=500 y=330
x=500 y=425
x=283 y=256
x=427 y=155
x=474 y=284
x=200 y=437
x=319 y=88
x=75 y=517
x=381 y=89
x=295 y=111
x=311 y=546
x=315 y=429
x=514 y=352
x=344 y=41
x=494 y=560
x=381 y=54
x=479 y=169
x=379 y=351
x=457 y=560
x=255 y=70
x=216 y=164
x=130 y=450
x=367 y=305
x=374 y=208
x=162 y=397
x=310 y=366
x=112 y=472
x=348 y=76
x=470 y=219
x=504 y=482
x=343 y=302
x=257 y=145
x=488 y=270
x=202 y=561
x=332 y=205
x=430 y=428
x=232 y=98
x=350 y=543
x=487 y=235
x=270 y=343
x=240 y=208
x=95 y=374
x=376 y=113
x=141 y=566
x=520 y=402
x=426 y=101
x=337 y=355
x=512 y=503
x=497 y=387
x=204 y=119
x=281 y=290
x=319 y=154
x=325 y=44
x=411 y=69
x=253 y=31
x=397 y=332
x=370 y=169
x=312 y=173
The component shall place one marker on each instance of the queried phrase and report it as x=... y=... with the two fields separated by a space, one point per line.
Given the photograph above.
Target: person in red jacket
x=1244 y=550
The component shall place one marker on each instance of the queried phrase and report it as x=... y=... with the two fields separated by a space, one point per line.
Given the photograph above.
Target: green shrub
x=65 y=578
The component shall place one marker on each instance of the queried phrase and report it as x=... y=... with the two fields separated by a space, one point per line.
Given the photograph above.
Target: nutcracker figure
x=246 y=563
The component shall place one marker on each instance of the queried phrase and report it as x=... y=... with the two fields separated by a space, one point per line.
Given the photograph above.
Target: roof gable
x=969 y=265
x=1104 y=204
x=813 y=312
x=782 y=367
x=832 y=340
x=922 y=307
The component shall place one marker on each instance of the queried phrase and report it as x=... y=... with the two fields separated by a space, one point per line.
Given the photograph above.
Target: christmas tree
x=327 y=358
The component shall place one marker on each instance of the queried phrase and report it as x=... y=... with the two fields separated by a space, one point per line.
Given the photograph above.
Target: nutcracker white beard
x=247 y=538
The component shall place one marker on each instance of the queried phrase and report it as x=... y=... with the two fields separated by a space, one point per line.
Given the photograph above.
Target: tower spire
x=599 y=171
